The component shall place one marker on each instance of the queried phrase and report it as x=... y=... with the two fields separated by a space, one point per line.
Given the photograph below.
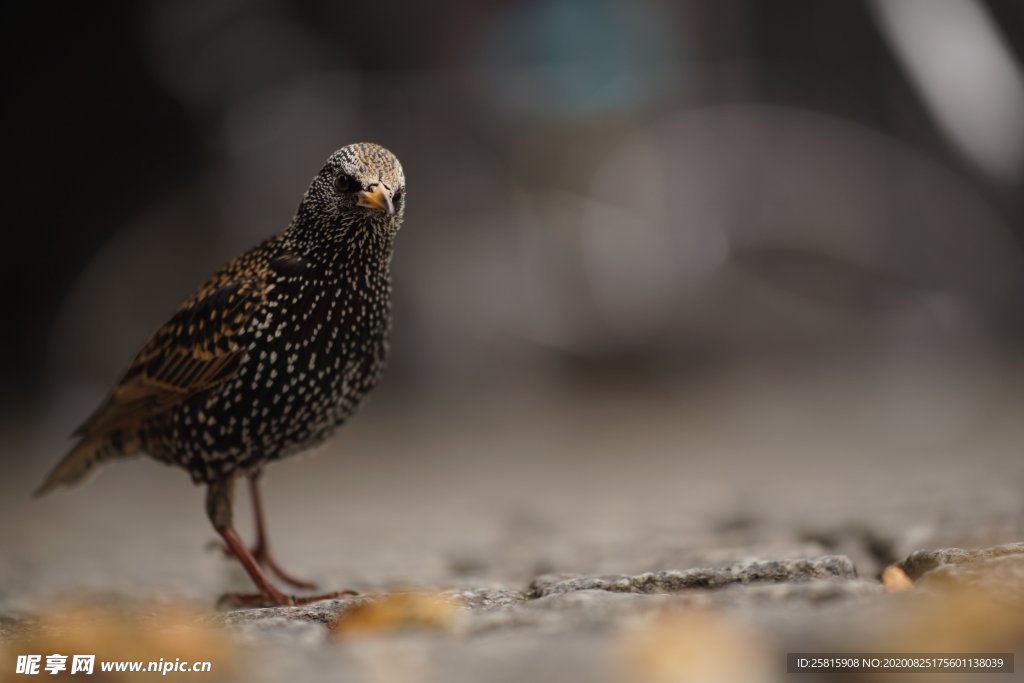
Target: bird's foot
x=267 y=561
x=277 y=599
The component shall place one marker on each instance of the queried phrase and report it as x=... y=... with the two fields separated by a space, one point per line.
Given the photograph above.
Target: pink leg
x=261 y=551
x=219 y=500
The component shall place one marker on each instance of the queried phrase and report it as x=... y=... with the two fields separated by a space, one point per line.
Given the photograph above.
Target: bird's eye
x=346 y=183
x=399 y=195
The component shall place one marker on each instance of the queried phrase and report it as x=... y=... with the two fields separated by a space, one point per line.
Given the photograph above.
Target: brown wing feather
x=201 y=346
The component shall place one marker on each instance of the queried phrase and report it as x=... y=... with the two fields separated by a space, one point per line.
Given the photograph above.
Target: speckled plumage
x=276 y=350
x=279 y=346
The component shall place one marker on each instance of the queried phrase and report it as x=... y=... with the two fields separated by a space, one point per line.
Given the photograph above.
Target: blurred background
x=662 y=261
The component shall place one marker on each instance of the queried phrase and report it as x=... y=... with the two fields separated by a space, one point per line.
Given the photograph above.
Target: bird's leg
x=219 y=500
x=261 y=551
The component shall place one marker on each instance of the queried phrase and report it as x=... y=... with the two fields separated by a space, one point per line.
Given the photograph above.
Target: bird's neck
x=341 y=247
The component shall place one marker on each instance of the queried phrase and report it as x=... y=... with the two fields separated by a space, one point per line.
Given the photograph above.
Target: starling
x=267 y=358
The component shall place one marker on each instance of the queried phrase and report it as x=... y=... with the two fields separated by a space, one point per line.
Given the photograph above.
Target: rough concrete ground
x=577 y=539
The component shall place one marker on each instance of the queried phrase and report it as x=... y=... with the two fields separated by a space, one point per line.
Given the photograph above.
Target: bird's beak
x=377 y=197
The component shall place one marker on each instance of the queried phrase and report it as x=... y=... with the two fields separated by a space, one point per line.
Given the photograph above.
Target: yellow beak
x=377 y=197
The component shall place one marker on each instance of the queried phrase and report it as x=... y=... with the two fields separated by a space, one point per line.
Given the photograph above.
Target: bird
x=265 y=359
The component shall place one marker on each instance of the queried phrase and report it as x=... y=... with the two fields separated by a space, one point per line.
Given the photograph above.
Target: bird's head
x=360 y=188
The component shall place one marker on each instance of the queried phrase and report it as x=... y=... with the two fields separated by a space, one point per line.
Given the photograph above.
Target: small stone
x=813 y=592
x=770 y=571
x=924 y=561
x=323 y=612
x=281 y=628
x=999 y=577
x=485 y=599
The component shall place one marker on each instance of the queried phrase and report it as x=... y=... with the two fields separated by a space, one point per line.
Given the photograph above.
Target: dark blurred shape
x=92 y=138
x=647 y=184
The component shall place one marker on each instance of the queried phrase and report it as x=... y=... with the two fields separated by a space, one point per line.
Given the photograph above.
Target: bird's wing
x=203 y=344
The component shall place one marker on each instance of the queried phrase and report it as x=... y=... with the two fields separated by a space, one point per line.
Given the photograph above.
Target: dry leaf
x=895 y=580
x=695 y=645
x=396 y=612
x=136 y=633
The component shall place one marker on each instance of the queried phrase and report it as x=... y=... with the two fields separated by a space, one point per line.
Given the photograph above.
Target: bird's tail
x=84 y=458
